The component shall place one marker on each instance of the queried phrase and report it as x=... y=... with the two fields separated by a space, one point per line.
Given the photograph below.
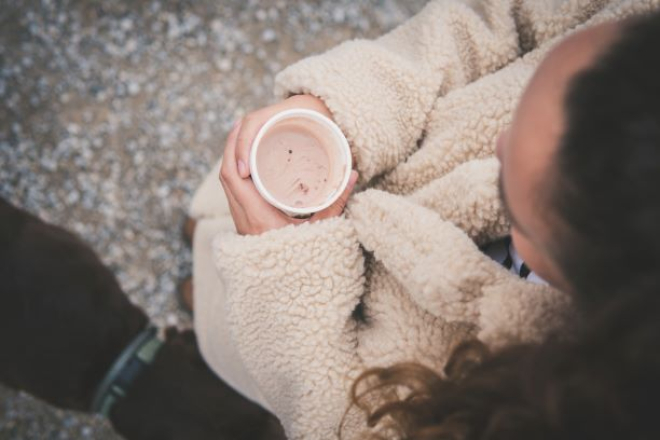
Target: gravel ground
x=111 y=113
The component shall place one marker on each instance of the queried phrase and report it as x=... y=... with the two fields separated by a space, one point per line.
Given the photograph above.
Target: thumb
x=337 y=208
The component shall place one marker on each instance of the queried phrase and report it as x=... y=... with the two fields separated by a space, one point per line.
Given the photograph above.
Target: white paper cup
x=340 y=143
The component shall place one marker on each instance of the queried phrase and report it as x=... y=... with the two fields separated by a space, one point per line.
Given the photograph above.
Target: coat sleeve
x=381 y=91
x=447 y=275
x=468 y=197
x=290 y=294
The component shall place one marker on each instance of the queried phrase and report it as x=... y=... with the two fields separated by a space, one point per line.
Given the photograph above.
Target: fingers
x=241 y=193
x=337 y=208
x=243 y=190
x=249 y=128
x=236 y=210
x=228 y=167
x=237 y=190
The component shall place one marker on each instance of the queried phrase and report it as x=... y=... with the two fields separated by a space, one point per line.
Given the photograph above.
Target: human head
x=581 y=161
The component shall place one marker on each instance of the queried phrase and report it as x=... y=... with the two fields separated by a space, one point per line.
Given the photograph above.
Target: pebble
x=268 y=35
x=261 y=15
x=224 y=64
x=133 y=88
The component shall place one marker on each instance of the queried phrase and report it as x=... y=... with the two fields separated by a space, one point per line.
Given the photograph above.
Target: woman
x=594 y=228
x=290 y=314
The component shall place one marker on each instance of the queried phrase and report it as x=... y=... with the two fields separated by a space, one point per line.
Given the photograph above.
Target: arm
x=468 y=197
x=380 y=92
x=291 y=293
x=447 y=275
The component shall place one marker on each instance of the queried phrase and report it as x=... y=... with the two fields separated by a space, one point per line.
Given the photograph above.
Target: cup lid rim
x=342 y=144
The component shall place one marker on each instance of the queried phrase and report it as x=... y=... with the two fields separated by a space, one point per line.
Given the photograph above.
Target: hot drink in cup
x=300 y=161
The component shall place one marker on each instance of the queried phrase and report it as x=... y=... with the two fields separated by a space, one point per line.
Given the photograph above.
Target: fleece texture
x=292 y=316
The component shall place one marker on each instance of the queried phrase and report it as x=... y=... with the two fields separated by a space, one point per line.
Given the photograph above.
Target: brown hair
x=604 y=384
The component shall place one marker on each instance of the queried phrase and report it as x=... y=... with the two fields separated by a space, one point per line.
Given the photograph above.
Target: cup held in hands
x=300 y=162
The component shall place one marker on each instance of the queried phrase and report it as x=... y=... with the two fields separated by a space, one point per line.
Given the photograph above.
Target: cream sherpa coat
x=422 y=107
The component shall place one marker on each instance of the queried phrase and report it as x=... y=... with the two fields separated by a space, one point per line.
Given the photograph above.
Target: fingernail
x=242 y=169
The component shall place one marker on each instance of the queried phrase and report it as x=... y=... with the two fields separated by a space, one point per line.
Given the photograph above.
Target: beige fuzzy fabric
x=422 y=107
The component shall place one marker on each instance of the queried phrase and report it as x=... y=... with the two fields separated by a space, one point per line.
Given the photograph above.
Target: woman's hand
x=251 y=213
